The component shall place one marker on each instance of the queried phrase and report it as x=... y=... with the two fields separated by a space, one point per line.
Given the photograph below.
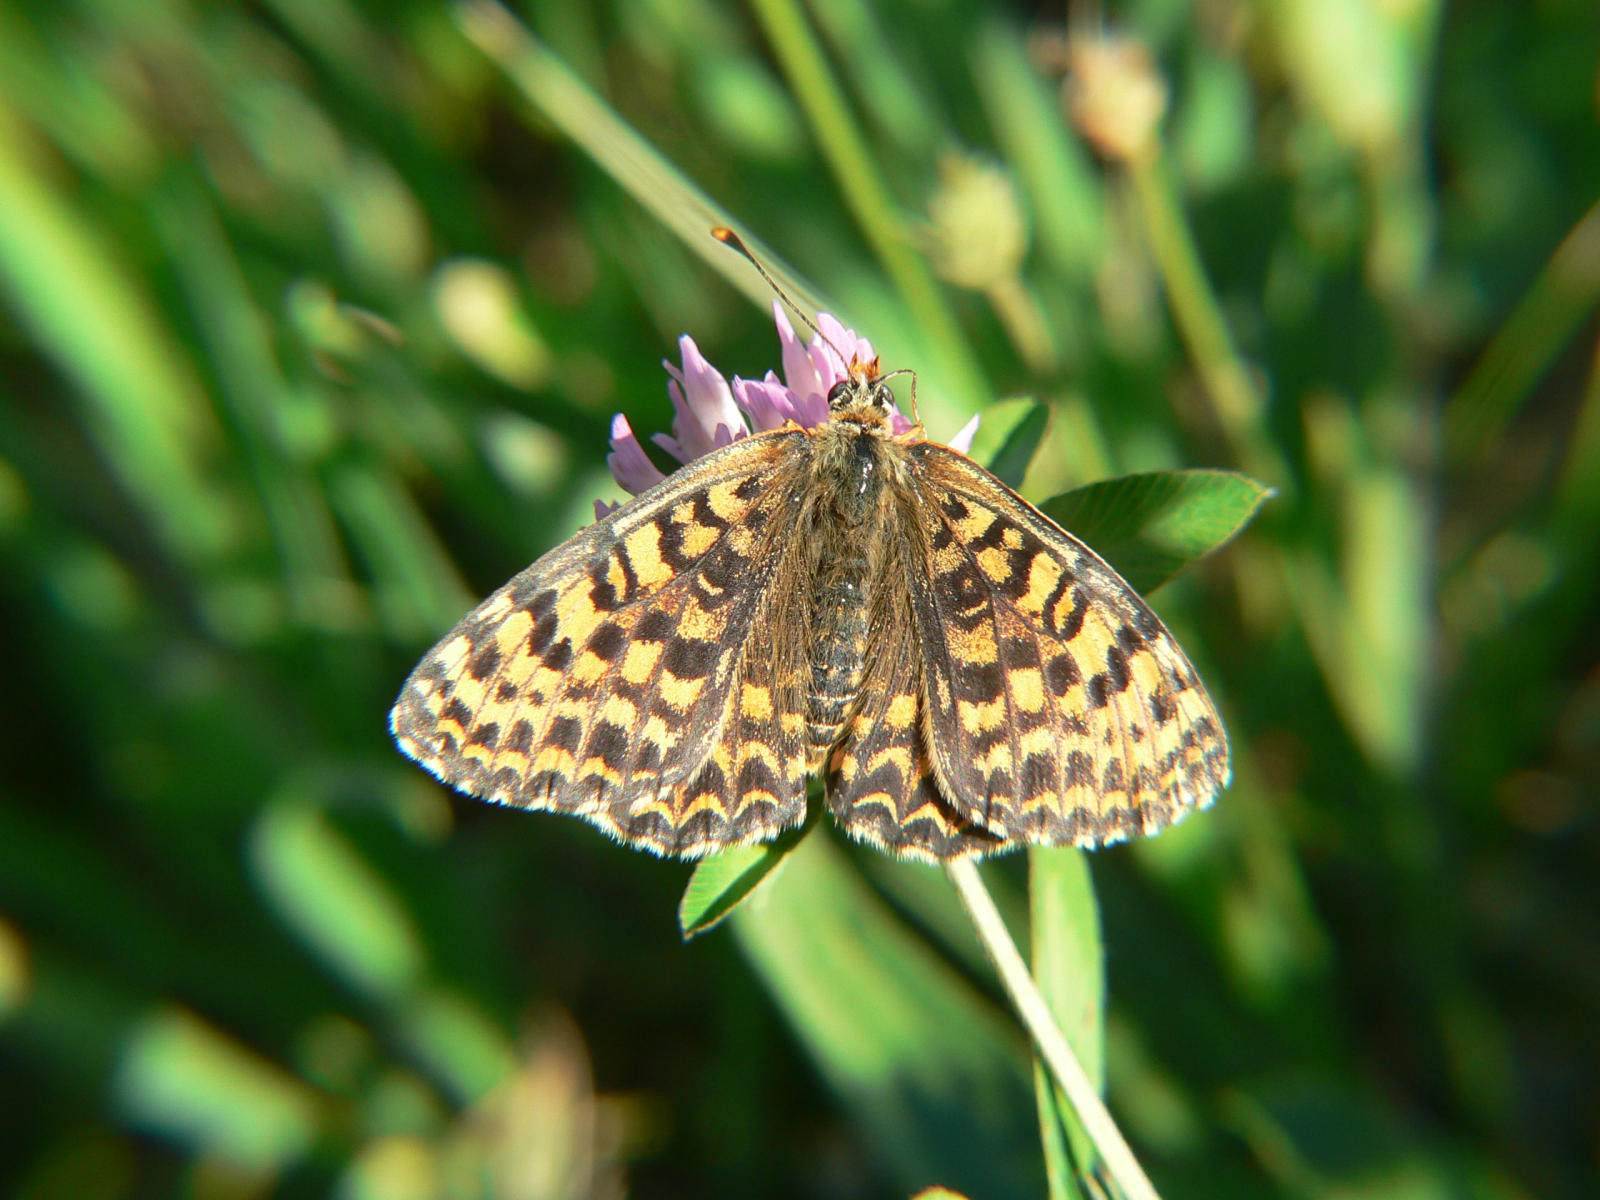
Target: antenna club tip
x=733 y=241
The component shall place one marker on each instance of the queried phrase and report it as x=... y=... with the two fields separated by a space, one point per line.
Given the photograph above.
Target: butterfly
x=850 y=601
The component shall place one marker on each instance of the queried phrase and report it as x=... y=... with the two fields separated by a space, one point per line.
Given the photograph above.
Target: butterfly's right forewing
x=617 y=677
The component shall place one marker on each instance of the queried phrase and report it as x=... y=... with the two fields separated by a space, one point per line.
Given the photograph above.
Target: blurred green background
x=315 y=316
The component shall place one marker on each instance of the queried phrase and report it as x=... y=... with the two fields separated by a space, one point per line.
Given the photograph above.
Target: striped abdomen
x=838 y=648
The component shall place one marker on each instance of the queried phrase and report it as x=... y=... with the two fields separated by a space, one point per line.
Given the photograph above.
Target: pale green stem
x=1035 y=1013
x=1018 y=310
x=564 y=100
x=859 y=176
x=1227 y=381
x=1563 y=295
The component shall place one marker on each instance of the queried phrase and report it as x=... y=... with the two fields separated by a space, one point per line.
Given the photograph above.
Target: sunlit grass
x=316 y=316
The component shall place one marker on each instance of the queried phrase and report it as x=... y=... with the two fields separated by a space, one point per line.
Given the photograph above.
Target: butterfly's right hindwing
x=880 y=779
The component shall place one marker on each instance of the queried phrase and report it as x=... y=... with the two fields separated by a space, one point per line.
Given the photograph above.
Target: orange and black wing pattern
x=630 y=676
x=1057 y=708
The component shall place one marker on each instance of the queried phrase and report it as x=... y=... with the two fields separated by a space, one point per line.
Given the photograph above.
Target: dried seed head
x=977 y=234
x=1114 y=95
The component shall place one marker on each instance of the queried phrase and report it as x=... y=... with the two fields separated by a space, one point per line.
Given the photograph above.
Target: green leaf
x=335 y=901
x=1149 y=527
x=927 y=1067
x=1059 y=1163
x=721 y=883
x=1068 y=959
x=1008 y=437
x=184 y=1078
x=1068 y=963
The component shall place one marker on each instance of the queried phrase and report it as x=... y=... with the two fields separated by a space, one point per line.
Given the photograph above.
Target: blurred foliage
x=315 y=318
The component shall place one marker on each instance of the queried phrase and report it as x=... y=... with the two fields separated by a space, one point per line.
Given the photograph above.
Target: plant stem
x=1046 y=1034
x=854 y=164
x=1235 y=399
x=1521 y=350
x=562 y=97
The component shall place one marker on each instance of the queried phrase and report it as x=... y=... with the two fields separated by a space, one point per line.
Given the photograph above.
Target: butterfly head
x=862 y=391
x=864 y=397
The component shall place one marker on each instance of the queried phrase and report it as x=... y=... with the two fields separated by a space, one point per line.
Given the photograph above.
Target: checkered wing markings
x=599 y=680
x=1060 y=710
x=750 y=782
x=880 y=779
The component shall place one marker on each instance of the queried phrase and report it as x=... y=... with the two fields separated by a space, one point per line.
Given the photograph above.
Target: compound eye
x=839 y=394
x=882 y=396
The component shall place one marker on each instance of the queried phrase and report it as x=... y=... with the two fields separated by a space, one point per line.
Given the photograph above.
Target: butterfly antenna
x=915 y=415
x=734 y=242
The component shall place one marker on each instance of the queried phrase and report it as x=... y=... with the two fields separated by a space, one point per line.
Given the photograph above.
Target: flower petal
x=702 y=403
x=766 y=402
x=962 y=442
x=709 y=413
x=629 y=464
x=835 y=340
x=808 y=379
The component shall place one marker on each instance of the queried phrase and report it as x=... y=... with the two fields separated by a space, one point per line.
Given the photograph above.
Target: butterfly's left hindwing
x=620 y=677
